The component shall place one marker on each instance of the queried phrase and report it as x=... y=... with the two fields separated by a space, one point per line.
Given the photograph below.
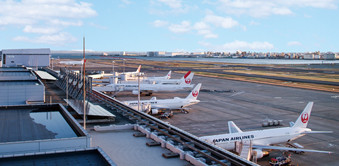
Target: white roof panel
x=44 y=75
x=27 y=51
x=91 y=109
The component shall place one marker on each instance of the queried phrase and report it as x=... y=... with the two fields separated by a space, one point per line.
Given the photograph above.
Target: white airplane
x=129 y=78
x=127 y=74
x=265 y=139
x=168 y=76
x=97 y=76
x=175 y=103
x=71 y=62
x=187 y=79
x=146 y=88
x=133 y=73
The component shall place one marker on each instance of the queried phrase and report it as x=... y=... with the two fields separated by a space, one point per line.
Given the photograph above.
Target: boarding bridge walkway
x=72 y=83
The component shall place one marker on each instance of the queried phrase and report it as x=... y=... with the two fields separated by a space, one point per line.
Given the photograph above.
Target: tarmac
x=248 y=104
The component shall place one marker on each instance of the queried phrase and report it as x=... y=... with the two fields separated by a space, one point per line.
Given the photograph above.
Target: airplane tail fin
x=194 y=94
x=138 y=70
x=232 y=128
x=184 y=77
x=304 y=117
x=187 y=79
x=168 y=76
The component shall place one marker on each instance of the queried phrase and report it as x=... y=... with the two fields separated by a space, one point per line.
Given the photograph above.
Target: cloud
x=42 y=10
x=40 y=30
x=239 y=45
x=183 y=27
x=253 y=23
x=242 y=45
x=175 y=4
x=48 y=17
x=56 y=39
x=98 y=26
x=57 y=22
x=294 y=43
x=160 y=23
x=325 y=4
x=205 y=26
x=263 y=8
x=172 y=7
x=126 y=2
x=204 y=29
x=224 y=22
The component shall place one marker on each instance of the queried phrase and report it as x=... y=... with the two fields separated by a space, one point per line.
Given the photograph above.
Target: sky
x=171 y=25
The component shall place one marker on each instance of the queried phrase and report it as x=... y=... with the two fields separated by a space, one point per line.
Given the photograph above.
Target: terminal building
x=25 y=57
x=31 y=131
x=20 y=86
x=39 y=128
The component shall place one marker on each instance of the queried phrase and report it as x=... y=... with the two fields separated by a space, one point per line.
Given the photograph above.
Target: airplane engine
x=155 y=111
x=259 y=153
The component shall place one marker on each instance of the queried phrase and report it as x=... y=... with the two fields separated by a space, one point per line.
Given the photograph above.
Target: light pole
x=139 y=92
x=67 y=82
x=113 y=67
x=84 y=82
x=52 y=63
x=124 y=64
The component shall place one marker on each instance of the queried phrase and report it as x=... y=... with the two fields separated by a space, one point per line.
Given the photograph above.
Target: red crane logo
x=195 y=93
x=188 y=81
x=304 y=117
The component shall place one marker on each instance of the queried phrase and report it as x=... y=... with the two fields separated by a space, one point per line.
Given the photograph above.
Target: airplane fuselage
x=258 y=137
x=176 y=103
x=144 y=87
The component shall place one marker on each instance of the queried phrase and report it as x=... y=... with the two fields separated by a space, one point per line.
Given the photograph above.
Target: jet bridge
x=72 y=83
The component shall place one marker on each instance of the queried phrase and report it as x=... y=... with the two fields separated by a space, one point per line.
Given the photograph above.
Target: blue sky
x=171 y=25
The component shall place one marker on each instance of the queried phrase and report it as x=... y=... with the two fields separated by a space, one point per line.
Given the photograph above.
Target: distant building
x=308 y=56
x=328 y=56
x=166 y=54
x=159 y=53
x=26 y=57
x=129 y=53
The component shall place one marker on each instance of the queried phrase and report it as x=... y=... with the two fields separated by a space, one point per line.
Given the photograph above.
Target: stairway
x=246 y=149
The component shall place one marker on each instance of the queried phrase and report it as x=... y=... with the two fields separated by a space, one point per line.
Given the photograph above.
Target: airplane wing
x=316 y=132
x=289 y=149
x=162 y=106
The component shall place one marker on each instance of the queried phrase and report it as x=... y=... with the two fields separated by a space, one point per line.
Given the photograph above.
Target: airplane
x=128 y=74
x=132 y=74
x=97 y=76
x=71 y=62
x=146 y=88
x=128 y=78
x=263 y=140
x=175 y=103
x=187 y=79
x=168 y=76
